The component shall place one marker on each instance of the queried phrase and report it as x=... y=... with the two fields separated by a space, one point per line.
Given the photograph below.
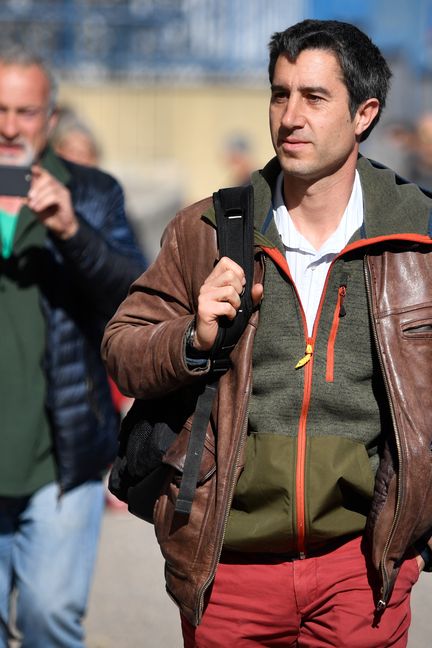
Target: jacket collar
x=55 y=166
x=392 y=205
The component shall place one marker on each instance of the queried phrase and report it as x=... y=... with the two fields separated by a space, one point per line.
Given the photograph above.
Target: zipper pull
x=342 y=293
x=307 y=356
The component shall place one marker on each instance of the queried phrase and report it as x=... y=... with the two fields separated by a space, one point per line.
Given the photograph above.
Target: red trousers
x=312 y=603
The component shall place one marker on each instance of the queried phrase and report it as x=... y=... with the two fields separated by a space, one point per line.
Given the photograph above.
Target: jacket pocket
x=420 y=329
x=180 y=536
x=176 y=454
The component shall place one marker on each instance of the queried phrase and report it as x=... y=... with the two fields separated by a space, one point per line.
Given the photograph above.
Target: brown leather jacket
x=144 y=351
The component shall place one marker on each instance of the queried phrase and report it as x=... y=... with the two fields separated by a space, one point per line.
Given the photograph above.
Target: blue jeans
x=47 y=553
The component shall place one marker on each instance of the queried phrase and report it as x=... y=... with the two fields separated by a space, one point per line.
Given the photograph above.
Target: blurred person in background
x=421 y=153
x=68 y=257
x=312 y=518
x=238 y=159
x=73 y=140
x=414 y=141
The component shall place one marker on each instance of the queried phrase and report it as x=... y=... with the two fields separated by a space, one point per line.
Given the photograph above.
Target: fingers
x=51 y=202
x=227 y=273
x=219 y=297
x=220 y=293
x=215 y=303
x=45 y=191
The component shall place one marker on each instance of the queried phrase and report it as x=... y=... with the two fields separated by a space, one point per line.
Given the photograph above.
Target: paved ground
x=130 y=609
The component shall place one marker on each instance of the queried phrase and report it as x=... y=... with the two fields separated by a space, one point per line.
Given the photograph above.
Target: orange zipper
x=301 y=462
x=307 y=363
x=333 y=334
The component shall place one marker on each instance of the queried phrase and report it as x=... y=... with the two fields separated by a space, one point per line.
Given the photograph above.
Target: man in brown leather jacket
x=313 y=507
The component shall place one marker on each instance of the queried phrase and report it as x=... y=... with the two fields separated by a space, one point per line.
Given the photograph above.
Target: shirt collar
x=351 y=221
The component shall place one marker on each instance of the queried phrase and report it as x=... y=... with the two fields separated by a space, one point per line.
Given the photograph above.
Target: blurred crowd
x=414 y=142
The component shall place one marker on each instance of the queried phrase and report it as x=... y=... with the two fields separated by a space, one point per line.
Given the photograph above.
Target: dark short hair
x=364 y=69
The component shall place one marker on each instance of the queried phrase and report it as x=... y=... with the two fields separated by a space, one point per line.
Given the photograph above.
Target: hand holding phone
x=51 y=202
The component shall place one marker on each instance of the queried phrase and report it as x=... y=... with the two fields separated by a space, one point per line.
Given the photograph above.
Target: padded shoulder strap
x=234 y=210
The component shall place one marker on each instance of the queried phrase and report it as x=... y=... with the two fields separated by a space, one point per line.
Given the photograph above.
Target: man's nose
x=9 y=126
x=293 y=116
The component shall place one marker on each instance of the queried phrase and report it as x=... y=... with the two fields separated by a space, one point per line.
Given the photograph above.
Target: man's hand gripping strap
x=234 y=219
x=234 y=211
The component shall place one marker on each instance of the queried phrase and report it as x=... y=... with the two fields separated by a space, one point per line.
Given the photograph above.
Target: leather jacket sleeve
x=144 y=343
x=104 y=259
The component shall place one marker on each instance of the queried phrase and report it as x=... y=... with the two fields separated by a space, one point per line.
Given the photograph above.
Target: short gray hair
x=18 y=55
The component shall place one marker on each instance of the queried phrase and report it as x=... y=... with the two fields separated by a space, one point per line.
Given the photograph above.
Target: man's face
x=311 y=127
x=25 y=119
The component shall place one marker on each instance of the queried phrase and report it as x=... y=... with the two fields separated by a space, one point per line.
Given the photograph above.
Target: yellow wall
x=172 y=131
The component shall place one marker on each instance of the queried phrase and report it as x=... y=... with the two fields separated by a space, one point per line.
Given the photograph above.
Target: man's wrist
x=194 y=357
x=69 y=231
x=190 y=336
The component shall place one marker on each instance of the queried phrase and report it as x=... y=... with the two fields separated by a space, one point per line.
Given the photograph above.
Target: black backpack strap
x=234 y=218
x=234 y=209
x=195 y=448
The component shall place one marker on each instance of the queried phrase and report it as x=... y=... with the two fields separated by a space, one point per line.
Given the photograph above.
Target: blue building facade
x=198 y=39
x=157 y=39
x=399 y=27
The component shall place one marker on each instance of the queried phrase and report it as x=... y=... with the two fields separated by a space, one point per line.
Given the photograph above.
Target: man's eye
x=314 y=99
x=279 y=97
x=29 y=112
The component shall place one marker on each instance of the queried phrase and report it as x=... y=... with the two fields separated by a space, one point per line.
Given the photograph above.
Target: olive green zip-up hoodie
x=313 y=434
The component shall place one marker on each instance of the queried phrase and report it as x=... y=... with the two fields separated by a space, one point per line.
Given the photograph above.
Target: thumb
x=257 y=293
x=36 y=170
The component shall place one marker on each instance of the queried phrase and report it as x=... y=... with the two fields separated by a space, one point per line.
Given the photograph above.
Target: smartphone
x=14 y=180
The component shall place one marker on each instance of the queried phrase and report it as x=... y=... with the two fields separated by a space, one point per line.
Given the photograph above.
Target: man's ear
x=366 y=113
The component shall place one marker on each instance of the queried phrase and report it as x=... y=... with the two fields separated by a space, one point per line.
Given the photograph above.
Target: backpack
x=138 y=473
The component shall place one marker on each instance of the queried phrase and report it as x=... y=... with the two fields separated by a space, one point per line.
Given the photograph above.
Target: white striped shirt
x=309 y=267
